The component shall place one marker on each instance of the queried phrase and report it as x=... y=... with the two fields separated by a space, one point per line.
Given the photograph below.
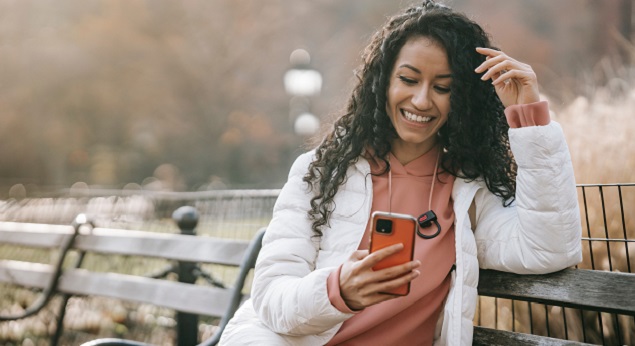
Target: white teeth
x=417 y=118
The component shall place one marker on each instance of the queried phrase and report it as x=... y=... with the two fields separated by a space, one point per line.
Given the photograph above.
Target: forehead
x=423 y=53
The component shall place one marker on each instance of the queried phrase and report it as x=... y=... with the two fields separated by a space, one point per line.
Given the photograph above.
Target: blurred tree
x=626 y=21
x=106 y=91
x=133 y=83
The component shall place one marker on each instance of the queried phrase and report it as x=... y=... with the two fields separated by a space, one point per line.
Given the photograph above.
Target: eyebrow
x=419 y=71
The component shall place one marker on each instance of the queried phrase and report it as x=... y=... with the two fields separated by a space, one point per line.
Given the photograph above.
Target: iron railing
x=608 y=242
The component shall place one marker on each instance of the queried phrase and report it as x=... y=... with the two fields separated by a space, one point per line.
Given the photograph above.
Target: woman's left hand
x=514 y=81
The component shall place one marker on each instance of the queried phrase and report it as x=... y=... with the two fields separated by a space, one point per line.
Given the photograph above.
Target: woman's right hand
x=360 y=285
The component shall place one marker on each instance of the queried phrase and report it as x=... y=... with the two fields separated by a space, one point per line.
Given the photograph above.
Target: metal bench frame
x=187 y=251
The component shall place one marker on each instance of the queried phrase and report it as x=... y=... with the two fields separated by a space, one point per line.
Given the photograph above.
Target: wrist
x=531 y=96
x=335 y=294
x=524 y=115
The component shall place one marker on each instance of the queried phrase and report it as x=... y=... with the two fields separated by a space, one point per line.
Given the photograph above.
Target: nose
x=421 y=98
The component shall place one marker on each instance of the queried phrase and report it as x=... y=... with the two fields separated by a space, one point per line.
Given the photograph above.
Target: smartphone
x=392 y=228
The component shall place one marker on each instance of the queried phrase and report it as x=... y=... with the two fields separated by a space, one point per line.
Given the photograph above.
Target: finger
x=513 y=74
x=389 y=285
x=504 y=77
x=373 y=299
x=354 y=266
x=498 y=69
x=381 y=297
x=505 y=66
x=379 y=255
x=367 y=277
x=489 y=51
x=371 y=293
x=358 y=255
x=396 y=271
x=361 y=261
x=489 y=62
x=403 y=279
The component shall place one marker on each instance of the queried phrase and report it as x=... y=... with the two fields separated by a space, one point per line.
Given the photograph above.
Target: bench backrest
x=588 y=290
x=184 y=297
x=593 y=290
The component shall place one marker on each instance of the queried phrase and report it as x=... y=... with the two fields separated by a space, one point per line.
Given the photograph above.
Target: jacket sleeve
x=289 y=295
x=540 y=232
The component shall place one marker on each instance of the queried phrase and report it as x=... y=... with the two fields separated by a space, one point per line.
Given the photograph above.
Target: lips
x=420 y=119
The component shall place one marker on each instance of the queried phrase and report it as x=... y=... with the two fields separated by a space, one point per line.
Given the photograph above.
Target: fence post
x=186 y=218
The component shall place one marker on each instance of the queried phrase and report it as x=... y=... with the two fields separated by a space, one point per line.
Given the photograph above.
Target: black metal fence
x=608 y=243
x=225 y=213
x=608 y=228
x=230 y=214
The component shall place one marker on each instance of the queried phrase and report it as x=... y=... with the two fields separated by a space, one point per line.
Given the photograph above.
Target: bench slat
x=492 y=337
x=197 y=299
x=172 y=246
x=576 y=288
x=33 y=234
x=126 y=242
x=25 y=274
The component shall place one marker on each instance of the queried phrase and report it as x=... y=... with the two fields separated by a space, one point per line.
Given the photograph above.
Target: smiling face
x=418 y=97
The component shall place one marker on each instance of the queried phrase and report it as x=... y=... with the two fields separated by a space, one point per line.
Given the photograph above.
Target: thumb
x=359 y=255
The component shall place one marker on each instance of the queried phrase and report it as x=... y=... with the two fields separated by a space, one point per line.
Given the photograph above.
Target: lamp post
x=302 y=82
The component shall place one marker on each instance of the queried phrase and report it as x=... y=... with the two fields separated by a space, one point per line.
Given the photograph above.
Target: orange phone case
x=403 y=231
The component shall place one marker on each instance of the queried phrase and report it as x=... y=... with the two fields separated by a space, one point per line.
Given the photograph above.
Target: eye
x=442 y=89
x=407 y=80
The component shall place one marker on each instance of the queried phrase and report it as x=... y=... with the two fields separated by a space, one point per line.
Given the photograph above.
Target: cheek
x=445 y=106
x=390 y=101
x=444 y=121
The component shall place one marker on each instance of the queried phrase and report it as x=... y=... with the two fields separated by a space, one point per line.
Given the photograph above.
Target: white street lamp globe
x=302 y=82
x=300 y=57
x=306 y=124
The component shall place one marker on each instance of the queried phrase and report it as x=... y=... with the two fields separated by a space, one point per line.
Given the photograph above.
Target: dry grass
x=598 y=131
x=599 y=134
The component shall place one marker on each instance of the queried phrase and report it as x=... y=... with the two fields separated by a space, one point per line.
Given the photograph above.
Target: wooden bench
x=590 y=290
x=187 y=250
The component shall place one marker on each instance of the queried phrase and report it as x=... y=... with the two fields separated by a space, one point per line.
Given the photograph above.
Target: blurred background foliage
x=188 y=95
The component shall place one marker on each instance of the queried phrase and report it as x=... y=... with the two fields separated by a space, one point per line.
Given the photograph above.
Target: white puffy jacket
x=539 y=233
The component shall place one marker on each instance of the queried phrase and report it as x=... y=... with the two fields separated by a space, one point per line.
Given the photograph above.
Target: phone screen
x=392 y=228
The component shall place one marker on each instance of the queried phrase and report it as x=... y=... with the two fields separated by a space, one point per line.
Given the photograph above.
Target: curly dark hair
x=474 y=139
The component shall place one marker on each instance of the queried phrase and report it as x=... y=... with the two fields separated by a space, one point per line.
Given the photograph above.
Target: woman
x=431 y=125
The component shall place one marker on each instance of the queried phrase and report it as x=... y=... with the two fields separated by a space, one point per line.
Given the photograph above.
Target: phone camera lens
x=383 y=226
